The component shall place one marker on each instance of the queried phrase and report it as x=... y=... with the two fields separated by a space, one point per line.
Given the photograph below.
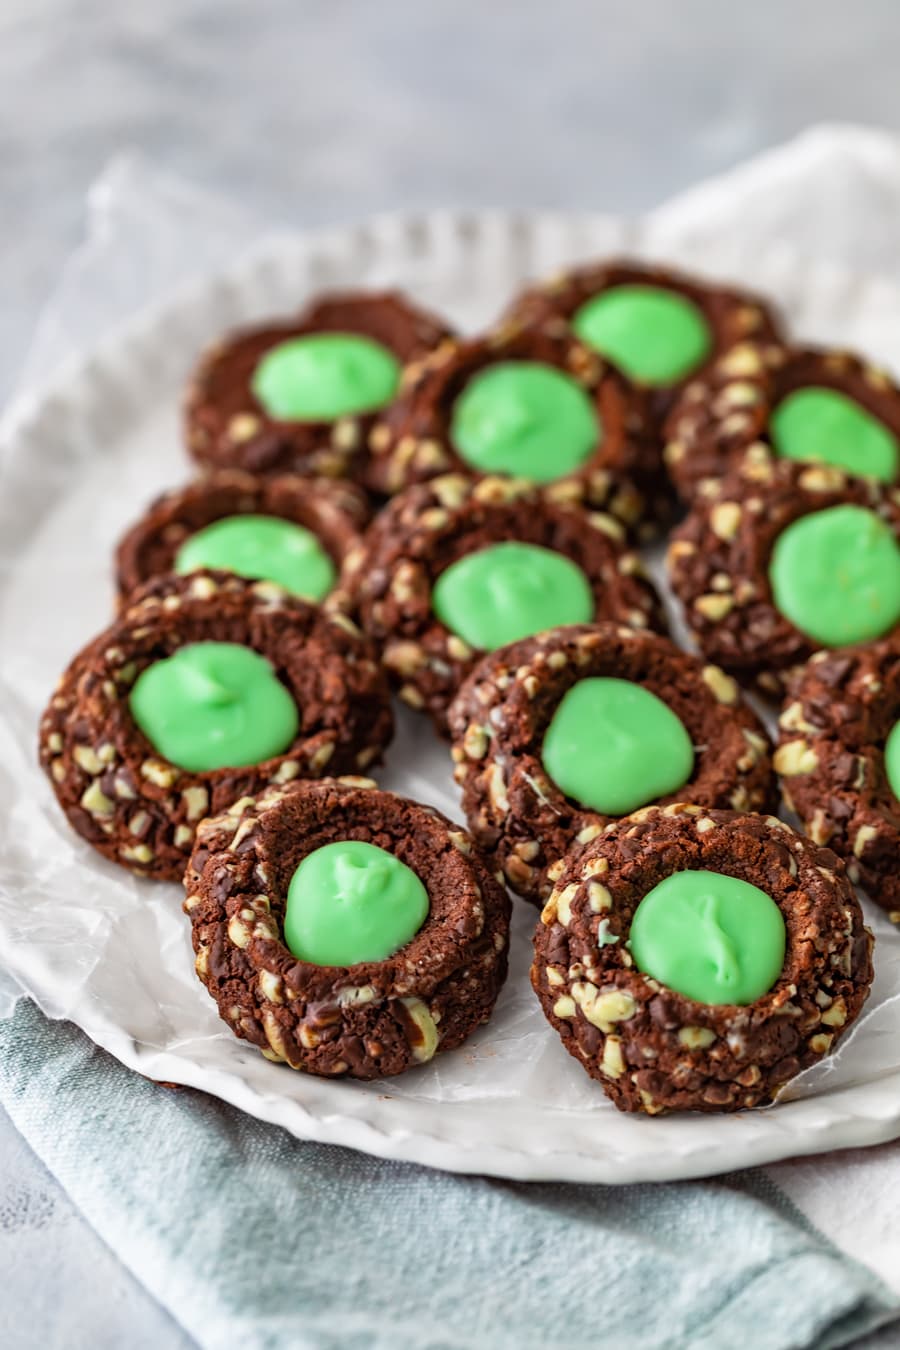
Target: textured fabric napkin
x=252 y=1239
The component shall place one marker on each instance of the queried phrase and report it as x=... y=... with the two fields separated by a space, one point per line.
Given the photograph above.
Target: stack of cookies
x=383 y=505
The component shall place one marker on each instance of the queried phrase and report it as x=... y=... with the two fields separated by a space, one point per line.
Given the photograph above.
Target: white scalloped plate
x=94 y=945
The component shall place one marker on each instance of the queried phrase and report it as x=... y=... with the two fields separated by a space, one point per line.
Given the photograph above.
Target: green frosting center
x=711 y=937
x=526 y=419
x=265 y=547
x=214 y=705
x=509 y=591
x=325 y=375
x=350 y=902
x=892 y=759
x=835 y=575
x=655 y=335
x=827 y=426
x=614 y=746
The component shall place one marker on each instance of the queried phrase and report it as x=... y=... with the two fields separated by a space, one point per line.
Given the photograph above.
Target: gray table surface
x=319 y=110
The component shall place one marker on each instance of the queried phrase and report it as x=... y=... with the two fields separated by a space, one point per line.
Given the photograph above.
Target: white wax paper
x=95 y=436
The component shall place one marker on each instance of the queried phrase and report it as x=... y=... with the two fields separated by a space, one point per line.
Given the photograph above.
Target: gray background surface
x=320 y=110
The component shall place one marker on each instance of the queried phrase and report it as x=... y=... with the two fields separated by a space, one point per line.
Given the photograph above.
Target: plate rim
x=860 y=1114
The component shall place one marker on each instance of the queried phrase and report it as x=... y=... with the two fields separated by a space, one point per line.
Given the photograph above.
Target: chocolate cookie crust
x=733 y=315
x=335 y=511
x=411 y=441
x=518 y=816
x=388 y=584
x=368 y=1020
x=655 y=1050
x=832 y=729
x=725 y=413
x=718 y=561
x=139 y=810
x=227 y=427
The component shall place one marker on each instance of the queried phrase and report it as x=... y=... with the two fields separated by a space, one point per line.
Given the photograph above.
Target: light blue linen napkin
x=254 y=1240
